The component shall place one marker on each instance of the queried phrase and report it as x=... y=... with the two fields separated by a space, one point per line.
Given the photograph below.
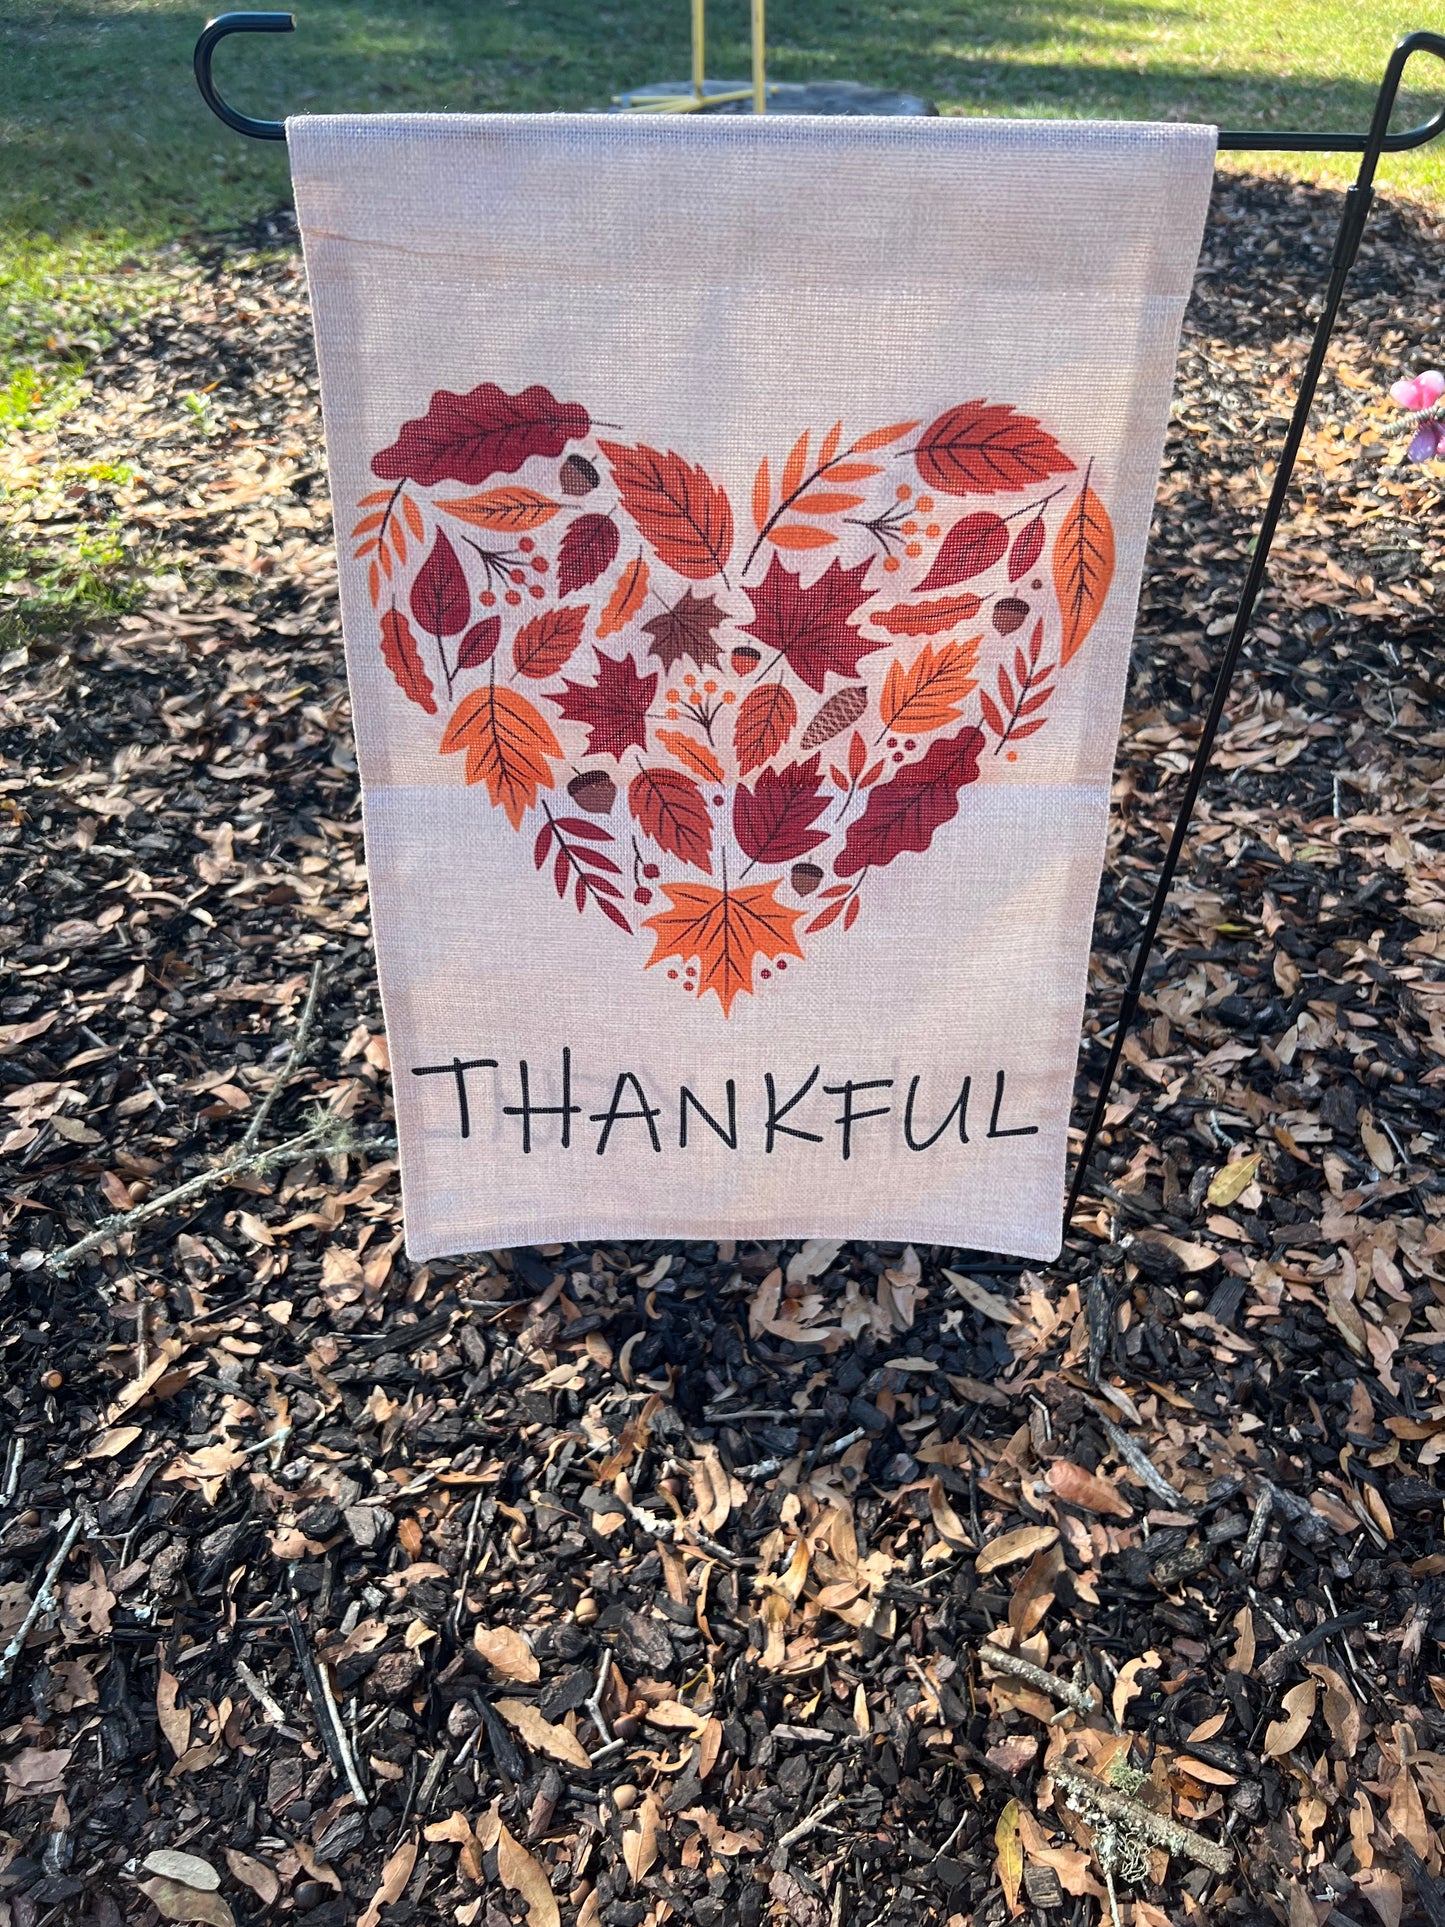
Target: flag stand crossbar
x=1376 y=141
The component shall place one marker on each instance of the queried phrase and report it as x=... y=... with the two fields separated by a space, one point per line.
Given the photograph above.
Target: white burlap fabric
x=741 y=524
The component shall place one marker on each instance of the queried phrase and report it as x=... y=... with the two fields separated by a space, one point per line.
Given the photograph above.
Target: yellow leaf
x=1234 y=1178
x=1010 y=1846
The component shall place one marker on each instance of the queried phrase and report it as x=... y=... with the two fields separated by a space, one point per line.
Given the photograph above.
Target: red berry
x=526 y=545
x=539 y=563
x=516 y=575
x=536 y=590
x=651 y=870
x=513 y=598
x=642 y=896
x=487 y=599
x=909 y=743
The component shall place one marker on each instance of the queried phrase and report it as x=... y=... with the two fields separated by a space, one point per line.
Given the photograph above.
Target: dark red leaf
x=991 y=714
x=810 y=626
x=479 y=644
x=469 y=438
x=1027 y=548
x=981 y=448
x=614 y=708
x=671 y=810
x=561 y=870
x=773 y=821
x=904 y=813
x=579 y=826
x=970 y=547
x=543 y=845
x=588 y=547
x=613 y=914
x=440 y=598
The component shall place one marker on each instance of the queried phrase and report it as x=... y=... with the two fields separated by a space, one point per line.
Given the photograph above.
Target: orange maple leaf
x=726 y=931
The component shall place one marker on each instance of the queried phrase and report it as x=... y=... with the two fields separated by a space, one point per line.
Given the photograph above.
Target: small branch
x=289 y=1068
x=1093 y=1800
x=1079 y=1699
x=811 y=1824
x=1140 y=1464
x=267 y=1701
x=43 y=1602
x=328 y=1133
x=323 y=1704
x=593 y=1707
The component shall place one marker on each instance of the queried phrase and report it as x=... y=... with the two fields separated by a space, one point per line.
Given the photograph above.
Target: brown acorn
x=745 y=659
x=578 y=476
x=1008 y=614
x=806 y=878
x=593 y=791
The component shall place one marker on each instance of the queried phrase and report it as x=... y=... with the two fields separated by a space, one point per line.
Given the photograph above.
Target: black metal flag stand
x=1370 y=146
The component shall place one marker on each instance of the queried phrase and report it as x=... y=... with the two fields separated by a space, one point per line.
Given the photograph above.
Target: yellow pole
x=760 y=84
x=699 y=56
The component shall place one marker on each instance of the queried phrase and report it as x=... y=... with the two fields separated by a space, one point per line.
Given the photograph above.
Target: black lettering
x=527 y=1110
x=777 y=1113
x=728 y=1136
x=458 y=1069
x=614 y=1115
x=1023 y=1130
x=850 y=1117
x=959 y=1111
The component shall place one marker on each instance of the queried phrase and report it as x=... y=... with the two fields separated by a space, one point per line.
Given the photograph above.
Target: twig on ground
x=1272 y=1670
x=327 y=1134
x=593 y=1707
x=1263 y=1506
x=1079 y=1699
x=323 y=1704
x=14 y=1459
x=43 y=1602
x=275 y=1715
x=1140 y=1464
x=466 y=1566
x=811 y=1823
x=1089 y=1796
x=289 y=1068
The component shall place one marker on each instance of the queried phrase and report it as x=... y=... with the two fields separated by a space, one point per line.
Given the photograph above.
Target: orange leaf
x=695 y=755
x=926 y=618
x=681 y=511
x=508 y=744
x=1083 y=568
x=882 y=437
x=762 y=494
x=513 y=510
x=373 y=583
x=368 y=523
x=626 y=599
x=797 y=535
x=413 y=517
x=547 y=642
x=830 y=444
x=794 y=466
x=398 y=539
x=823 y=502
x=931 y=692
x=854 y=471
x=376 y=495
x=725 y=931
x=766 y=719
x=1077 y=1487
x=402 y=657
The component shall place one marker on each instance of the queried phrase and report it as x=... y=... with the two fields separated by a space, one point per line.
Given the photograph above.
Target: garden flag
x=741 y=526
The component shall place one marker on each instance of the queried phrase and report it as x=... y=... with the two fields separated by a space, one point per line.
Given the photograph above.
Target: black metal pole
x=1347 y=241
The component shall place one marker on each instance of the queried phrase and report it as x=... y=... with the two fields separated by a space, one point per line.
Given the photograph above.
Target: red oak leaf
x=810 y=626
x=773 y=821
x=683 y=513
x=469 y=438
x=587 y=548
x=440 y=598
x=981 y=448
x=671 y=810
x=904 y=813
x=614 y=708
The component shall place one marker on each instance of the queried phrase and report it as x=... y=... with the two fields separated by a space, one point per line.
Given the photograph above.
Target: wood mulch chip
x=614 y=1586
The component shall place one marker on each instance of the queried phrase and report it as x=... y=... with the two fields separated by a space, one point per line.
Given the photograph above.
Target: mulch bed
x=332 y=1515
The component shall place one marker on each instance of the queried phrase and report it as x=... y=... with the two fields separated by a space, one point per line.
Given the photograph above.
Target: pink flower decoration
x=1419 y=392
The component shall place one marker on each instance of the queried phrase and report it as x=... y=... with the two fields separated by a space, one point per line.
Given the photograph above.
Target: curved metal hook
x=212 y=34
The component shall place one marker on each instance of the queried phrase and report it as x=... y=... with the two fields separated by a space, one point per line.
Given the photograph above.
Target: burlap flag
x=741 y=523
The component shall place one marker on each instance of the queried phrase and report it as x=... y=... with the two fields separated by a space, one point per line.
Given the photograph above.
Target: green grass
x=111 y=156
